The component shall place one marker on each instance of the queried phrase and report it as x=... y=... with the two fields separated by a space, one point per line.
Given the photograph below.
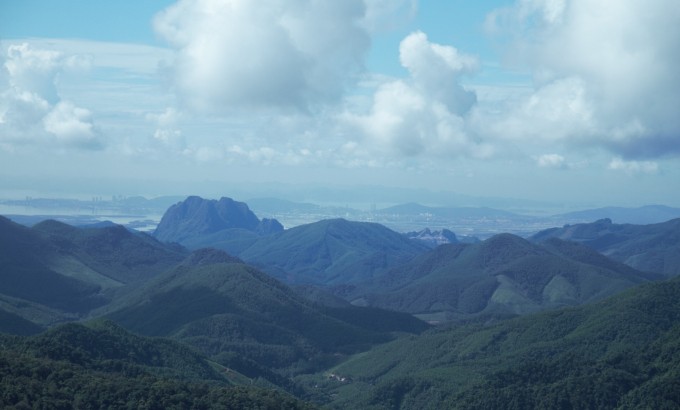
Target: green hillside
x=502 y=275
x=652 y=248
x=55 y=272
x=247 y=320
x=622 y=352
x=102 y=366
x=333 y=251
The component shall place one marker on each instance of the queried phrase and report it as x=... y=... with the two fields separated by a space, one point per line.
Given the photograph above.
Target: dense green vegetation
x=102 y=366
x=623 y=352
x=653 y=248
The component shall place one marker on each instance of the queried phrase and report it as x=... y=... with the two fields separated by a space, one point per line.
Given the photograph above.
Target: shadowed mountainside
x=55 y=272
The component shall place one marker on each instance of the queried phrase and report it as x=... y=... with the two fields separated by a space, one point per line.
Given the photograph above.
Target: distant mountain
x=649 y=214
x=100 y=365
x=197 y=222
x=333 y=251
x=621 y=352
x=54 y=272
x=653 y=248
x=246 y=320
x=503 y=275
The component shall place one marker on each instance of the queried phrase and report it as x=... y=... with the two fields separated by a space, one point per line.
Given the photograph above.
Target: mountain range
x=653 y=248
x=576 y=317
x=503 y=275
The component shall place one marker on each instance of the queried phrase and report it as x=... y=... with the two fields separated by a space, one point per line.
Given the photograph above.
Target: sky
x=570 y=101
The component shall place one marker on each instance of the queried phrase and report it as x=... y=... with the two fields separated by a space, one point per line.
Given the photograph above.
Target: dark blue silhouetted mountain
x=197 y=222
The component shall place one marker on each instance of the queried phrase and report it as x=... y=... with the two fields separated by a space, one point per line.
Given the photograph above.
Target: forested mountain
x=654 y=248
x=210 y=318
x=249 y=321
x=102 y=366
x=503 y=275
x=334 y=251
x=622 y=352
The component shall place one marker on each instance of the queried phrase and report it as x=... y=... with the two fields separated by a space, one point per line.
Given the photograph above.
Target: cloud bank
x=605 y=74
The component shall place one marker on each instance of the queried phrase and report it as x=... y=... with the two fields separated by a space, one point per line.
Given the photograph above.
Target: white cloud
x=634 y=167
x=425 y=114
x=240 y=53
x=605 y=73
x=31 y=110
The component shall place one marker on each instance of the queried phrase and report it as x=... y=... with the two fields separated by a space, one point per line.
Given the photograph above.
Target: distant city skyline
x=564 y=101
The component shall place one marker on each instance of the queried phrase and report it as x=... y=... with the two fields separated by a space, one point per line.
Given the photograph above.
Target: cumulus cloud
x=281 y=54
x=31 y=110
x=72 y=125
x=605 y=73
x=425 y=113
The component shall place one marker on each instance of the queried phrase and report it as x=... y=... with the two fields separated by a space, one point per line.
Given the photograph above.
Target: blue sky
x=565 y=100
